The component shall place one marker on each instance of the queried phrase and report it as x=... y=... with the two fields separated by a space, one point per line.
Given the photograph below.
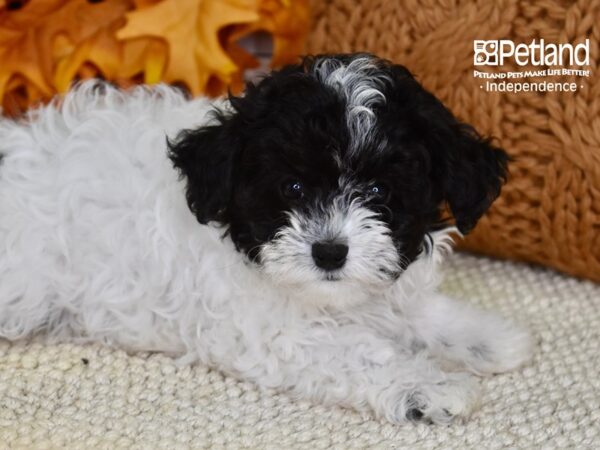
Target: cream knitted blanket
x=93 y=397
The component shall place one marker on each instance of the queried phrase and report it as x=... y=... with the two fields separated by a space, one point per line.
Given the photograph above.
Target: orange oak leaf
x=22 y=65
x=47 y=44
x=140 y=59
x=191 y=30
x=39 y=43
x=144 y=58
x=92 y=46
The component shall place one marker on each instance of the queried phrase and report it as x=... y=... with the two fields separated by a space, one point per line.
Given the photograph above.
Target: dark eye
x=294 y=190
x=378 y=192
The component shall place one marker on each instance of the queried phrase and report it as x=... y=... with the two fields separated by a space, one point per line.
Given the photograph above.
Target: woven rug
x=93 y=397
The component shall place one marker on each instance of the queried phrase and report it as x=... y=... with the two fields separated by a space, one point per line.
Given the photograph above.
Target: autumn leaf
x=113 y=60
x=22 y=65
x=47 y=44
x=43 y=35
x=147 y=57
x=90 y=43
x=190 y=28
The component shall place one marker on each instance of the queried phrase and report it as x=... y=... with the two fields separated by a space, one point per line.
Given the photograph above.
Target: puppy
x=288 y=237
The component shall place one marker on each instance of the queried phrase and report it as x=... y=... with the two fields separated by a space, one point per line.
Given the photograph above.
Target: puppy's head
x=331 y=173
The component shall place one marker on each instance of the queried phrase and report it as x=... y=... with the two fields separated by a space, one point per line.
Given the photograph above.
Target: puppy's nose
x=329 y=255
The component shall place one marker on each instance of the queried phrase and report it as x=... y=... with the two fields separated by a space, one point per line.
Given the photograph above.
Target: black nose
x=329 y=256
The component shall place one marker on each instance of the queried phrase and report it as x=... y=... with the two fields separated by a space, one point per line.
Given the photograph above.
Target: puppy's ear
x=467 y=170
x=473 y=173
x=206 y=157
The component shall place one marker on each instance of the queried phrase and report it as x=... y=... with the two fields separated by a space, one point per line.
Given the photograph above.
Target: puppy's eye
x=294 y=190
x=378 y=192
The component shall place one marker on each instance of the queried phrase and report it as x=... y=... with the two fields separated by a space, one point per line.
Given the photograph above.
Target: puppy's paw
x=454 y=399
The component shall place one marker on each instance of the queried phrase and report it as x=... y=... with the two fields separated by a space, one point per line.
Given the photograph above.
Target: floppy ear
x=473 y=173
x=466 y=169
x=205 y=157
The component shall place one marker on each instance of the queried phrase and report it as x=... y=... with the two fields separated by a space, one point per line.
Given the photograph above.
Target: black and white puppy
x=293 y=244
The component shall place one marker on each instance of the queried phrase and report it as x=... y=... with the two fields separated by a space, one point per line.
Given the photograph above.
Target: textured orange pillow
x=549 y=212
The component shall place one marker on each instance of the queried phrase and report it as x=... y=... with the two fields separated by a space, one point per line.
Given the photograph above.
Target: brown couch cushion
x=549 y=212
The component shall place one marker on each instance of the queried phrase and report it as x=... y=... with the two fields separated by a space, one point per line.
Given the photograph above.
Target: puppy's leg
x=354 y=368
x=477 y=340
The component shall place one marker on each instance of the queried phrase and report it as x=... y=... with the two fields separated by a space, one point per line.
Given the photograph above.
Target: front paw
x=452 y=399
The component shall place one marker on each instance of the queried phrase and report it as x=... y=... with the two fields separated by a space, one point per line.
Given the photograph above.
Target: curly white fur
x=97 y=243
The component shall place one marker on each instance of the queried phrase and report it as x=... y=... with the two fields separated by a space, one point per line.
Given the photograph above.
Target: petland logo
x=494 y=53
x=553 y=76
